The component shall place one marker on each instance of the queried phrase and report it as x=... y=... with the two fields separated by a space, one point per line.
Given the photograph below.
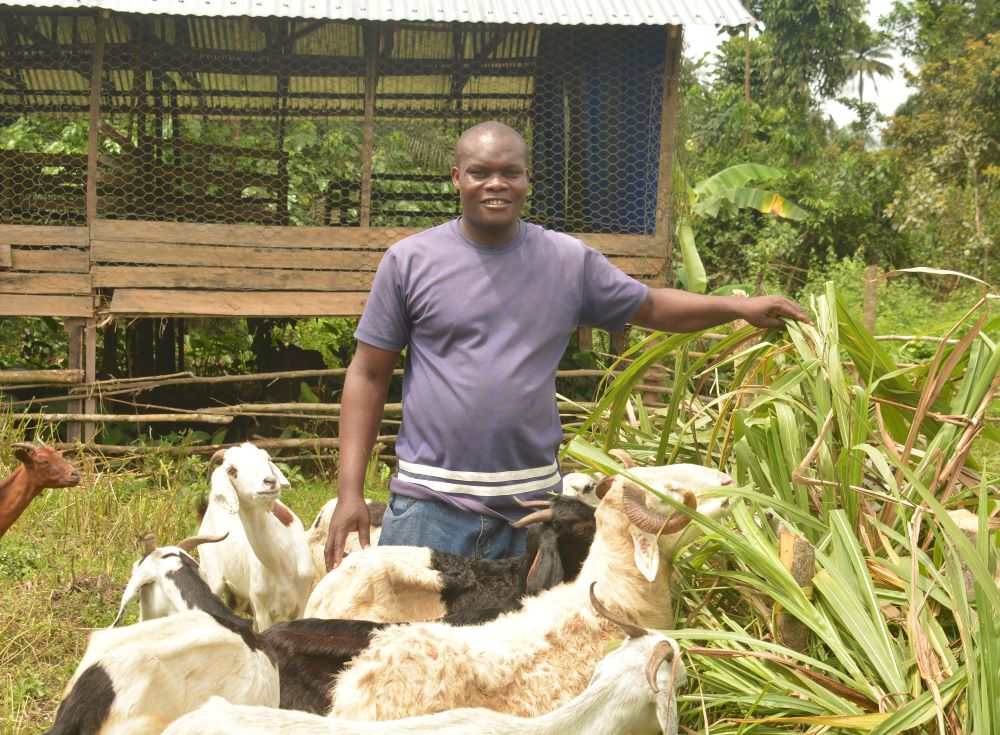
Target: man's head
x=491 y=176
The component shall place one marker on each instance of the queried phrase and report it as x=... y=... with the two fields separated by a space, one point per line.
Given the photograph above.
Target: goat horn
x=26 y=446
x=189 y=544
x=539 y=516
x=148 y=543
x=662 y=651
x=625 y=457
x=217 y=456
x=647 y=520
x=631 y=629
x=533 y=503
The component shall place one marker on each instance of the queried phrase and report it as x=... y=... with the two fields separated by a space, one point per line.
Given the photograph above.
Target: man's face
x=492 y=182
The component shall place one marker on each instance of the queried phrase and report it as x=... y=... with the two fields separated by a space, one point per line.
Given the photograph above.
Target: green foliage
x=32 y=344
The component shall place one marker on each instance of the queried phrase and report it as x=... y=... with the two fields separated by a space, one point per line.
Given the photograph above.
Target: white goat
x=531 y=661
x=630 y=691
x=319 y=530
x=134 y=680
x=265 y=563
x=166 y=580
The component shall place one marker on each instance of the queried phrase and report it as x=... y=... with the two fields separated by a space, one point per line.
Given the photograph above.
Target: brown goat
x=41 y=467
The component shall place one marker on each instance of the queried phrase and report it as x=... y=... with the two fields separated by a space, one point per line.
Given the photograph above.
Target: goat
x=421 y=668
x=166 y=580
x=135 y=679
x=396 y=584
x=307 y=653
x=558 y=541
x=318 y=531
x=265 y=563
x=630 y=691
x=40 y=468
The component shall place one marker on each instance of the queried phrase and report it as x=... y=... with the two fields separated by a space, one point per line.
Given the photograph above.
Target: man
x=484 y=306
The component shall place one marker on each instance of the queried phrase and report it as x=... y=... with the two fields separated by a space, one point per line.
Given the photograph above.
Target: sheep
x=40 y=468
x=630 y=691
x=134 y=680
x=166 y=580
x=265 y=564
x=428 y=667
x=317 y=534
x=408 y=583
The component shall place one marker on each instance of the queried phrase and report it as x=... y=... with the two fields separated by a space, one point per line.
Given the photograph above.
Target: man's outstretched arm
x=672 y=310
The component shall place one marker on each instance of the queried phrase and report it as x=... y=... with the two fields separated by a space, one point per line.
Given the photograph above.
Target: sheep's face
x=253 y=478
x=581 y=486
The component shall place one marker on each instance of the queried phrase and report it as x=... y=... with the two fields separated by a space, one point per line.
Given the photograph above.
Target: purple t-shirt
x=485 y=328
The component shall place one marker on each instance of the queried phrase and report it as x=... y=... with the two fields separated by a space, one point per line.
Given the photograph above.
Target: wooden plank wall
x=44 y=271
x=185 y=269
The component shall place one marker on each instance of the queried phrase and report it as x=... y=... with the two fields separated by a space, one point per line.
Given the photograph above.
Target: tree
x=867 y=58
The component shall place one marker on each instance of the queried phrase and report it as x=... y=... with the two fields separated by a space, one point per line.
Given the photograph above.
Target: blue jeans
x=411 y=522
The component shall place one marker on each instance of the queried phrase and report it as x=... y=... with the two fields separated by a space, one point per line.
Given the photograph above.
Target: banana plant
x=724 y=193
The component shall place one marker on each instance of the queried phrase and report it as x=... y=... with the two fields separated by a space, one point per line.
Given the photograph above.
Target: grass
x=64 y=564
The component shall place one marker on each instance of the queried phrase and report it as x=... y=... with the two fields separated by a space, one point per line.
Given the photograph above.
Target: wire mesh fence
x=321 y=123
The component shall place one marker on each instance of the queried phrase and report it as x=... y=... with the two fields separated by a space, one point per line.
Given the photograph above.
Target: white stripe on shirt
x=481 y=490
x=473 y=477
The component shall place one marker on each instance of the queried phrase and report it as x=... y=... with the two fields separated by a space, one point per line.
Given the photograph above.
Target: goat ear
x=282 y=480
x=645 y=552
x=224 y=491
x=136 y=582
x=23 y=451
x=546 y=570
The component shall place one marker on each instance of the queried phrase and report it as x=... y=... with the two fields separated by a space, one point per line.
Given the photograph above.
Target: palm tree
x=868 y=58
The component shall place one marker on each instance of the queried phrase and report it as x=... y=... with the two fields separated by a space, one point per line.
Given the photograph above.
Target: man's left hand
x=768 y=311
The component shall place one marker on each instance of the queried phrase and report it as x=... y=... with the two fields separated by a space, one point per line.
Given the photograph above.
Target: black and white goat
x=166 y=580
x=633 y=690
x=398 y=584
x=136 y=679
x=421 y=668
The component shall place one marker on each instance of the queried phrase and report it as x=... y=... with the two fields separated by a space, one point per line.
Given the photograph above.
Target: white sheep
x=631 y=690
x=134 y=680
x=265 y=564
x=528 y=662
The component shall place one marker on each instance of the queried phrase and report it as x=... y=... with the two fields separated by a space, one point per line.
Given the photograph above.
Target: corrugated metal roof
x=556 y=12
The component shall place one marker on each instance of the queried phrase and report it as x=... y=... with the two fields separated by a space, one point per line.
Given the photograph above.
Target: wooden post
x=371 y=36
x=665 y=168
x=84 y=335
x=799 y=558
x=74 y=337
x=584 y=339
x=869 y=308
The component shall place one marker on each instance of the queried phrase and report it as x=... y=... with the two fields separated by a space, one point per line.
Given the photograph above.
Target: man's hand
x=351 y=514
x=768 y=311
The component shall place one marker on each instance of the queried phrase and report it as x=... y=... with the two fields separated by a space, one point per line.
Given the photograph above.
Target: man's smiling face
x=491 y=176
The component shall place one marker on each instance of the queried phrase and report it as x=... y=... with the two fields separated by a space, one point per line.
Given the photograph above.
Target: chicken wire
x=263 y=120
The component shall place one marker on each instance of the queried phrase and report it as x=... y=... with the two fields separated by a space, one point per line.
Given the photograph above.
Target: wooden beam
x=32 y=305
x=90 y=373
x=44 y=283
x=159 y=253
x=35 y=377
x=6 y=261
x=371 y=38
x=74 y=339
x=44 y=235
x=229 y=303
x=669 y=104
x=131 y=418
x=256 y=280
x=96 y=70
